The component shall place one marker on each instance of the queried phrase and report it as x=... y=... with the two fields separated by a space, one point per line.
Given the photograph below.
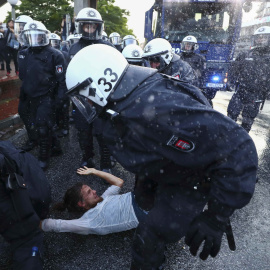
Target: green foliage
x=115 y=18
x=49 y=12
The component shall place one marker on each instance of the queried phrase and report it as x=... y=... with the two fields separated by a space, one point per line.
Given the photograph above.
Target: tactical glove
x=208 y=228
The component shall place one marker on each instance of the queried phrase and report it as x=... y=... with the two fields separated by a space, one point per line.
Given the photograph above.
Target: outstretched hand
x=85 y=171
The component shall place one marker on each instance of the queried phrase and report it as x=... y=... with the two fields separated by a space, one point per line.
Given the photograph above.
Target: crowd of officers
x=45 y=108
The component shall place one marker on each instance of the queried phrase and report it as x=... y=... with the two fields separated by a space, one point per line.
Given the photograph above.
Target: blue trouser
x=245 y=102
x=39 y=110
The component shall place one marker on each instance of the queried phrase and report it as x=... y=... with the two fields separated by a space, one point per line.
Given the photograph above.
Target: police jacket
x=250 y=71
x=42 y=71
x=195 y=60
x=165 y=123
x=180 y=70
x=76 y=47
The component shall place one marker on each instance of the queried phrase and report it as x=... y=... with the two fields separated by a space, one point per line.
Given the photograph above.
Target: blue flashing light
x=215 y=78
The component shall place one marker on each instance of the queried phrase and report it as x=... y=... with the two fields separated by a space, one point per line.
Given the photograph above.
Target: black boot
x=29 y=145
x=105 y=156
x=32 y=141
x=44 y=147
x=86 y=144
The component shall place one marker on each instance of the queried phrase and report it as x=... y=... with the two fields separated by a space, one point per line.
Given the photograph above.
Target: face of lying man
x=89 y=198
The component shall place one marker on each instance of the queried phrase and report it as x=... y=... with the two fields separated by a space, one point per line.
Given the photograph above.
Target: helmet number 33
x=104 y=82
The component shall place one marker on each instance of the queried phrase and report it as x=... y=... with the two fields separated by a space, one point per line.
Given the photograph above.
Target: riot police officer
x=62 y=109
x=24 y=200
x=188 y=47
x=90 y=26
x=160 y=56
x=115 y=39
x=133 y=53
x=184 y=153
x=251 y=76
x=42 y=71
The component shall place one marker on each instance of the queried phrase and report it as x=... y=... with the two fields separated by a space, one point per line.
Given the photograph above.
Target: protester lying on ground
x=108 y=213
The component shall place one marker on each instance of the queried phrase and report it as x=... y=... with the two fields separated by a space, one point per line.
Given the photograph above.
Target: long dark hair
x=71 y=198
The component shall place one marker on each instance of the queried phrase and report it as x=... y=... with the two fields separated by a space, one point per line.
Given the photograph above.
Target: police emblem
x=261 y=29
x=181 y=144
x=33 y=26
x=53 y=36
x=91 y=13
x=135 y=53
x=188 y=38
x=148 y=49
x=59 y=69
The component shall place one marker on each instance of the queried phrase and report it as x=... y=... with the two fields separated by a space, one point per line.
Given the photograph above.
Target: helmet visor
x=91 y=30
x=154 y=59
x=130 y=41
x=55 y=43
x=187 y=46
x=85 y=106
x=18 y=28
x=36 y=38
x=261 y=40
x=115 y=40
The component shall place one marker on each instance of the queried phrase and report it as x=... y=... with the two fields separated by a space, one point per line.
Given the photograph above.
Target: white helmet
x=129 y=39
x=94 y=73
x=189 y=44
x=133 y=53
x=71 y=39
x=36 y=34
x=105 y=36
x=90 y=24
x=55 y=41
x=158 y=50
x=20 y=22
x=261 y=37
x=115 y=38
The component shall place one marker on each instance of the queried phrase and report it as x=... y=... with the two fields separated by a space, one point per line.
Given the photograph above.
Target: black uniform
x=251 y=75
x=42 y=71
x=21 y=209
x=181 y=70
x=62 y=110
x=197 y=62
x=184 y=155
x=85 y=130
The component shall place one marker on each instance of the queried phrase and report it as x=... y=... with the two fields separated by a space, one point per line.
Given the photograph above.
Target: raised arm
x=111 y=179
